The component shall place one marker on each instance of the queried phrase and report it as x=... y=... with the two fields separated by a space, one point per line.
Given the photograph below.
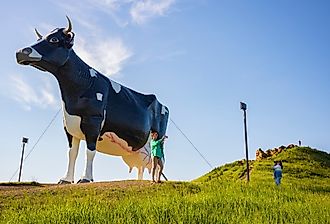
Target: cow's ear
x=70 y=39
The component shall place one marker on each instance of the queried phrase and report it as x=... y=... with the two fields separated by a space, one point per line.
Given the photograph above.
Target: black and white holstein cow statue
x=112 y=118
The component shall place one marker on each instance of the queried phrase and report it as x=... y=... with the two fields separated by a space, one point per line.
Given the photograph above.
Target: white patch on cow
x=35 y=54
x=72 y=124
x=99 y=96
x=164 y=110
x=92 y=72
x=115 y=86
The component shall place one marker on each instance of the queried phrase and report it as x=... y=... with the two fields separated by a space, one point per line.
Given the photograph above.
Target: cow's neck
x=74 y=78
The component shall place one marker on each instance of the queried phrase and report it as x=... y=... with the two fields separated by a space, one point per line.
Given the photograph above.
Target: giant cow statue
x=111 y=118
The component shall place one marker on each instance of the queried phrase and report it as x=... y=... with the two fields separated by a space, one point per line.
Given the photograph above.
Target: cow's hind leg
x=72 y=154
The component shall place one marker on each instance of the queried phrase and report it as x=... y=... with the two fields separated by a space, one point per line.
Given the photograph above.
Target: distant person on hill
x=157 y=153
x=299 y=143
x=278 y=167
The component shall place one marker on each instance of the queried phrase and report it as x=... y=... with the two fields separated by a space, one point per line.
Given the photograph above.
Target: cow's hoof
x=82 y=181
x=64 y=182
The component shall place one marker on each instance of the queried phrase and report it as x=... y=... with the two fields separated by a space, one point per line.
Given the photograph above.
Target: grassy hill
x=299 y=162
x=221 y=196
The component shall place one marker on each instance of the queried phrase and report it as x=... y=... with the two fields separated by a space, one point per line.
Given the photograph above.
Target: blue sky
x=200 y=57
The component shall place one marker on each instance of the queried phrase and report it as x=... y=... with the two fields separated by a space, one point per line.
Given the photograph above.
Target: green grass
x=221 y=196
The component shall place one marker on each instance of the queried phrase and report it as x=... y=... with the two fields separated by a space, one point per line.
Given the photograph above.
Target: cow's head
x=50 y=51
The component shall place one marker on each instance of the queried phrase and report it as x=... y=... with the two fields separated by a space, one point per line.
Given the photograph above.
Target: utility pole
x=24 y=141
x=244 y=108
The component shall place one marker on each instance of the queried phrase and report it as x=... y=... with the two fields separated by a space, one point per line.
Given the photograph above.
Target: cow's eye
x=54 y=40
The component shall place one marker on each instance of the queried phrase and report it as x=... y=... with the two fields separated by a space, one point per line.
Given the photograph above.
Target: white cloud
x=138 y=11
x=112 y=5
x=143 y=10
x=29 y=96
x=105 y=55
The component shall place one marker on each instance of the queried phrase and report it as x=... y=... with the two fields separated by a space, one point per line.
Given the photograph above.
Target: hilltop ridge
x=299 y=162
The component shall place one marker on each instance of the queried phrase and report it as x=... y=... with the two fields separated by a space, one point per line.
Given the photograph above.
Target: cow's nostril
x=27 y=50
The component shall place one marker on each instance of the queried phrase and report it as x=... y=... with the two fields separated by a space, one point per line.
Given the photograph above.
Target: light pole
x=244 y=108
x=24 y=141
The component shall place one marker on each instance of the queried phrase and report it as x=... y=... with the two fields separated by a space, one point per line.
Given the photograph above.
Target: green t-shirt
x=157 y=148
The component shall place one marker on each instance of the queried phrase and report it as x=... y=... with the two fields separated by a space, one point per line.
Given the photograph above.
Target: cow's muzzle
x=27 y=56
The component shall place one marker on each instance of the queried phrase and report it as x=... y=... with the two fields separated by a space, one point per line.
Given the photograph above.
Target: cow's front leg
x=91 y=128
x=88 y=172
x=72 y=155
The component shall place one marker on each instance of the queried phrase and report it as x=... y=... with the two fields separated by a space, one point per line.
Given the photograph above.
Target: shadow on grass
x=33 y=183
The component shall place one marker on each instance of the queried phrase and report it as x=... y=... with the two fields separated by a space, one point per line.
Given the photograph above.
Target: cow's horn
x=38 y=34
x=69 y=28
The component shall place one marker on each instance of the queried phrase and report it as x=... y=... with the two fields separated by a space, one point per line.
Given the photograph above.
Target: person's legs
x=275 y=177
x=278 y=176
x=160 y=170
x=154 y=165
x=276 y=181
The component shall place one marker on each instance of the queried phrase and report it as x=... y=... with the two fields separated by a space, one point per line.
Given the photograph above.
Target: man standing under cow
x=157 y=153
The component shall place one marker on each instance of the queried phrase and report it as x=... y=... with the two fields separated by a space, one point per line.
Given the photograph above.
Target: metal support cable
x=192 y=144
x=38 y=140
